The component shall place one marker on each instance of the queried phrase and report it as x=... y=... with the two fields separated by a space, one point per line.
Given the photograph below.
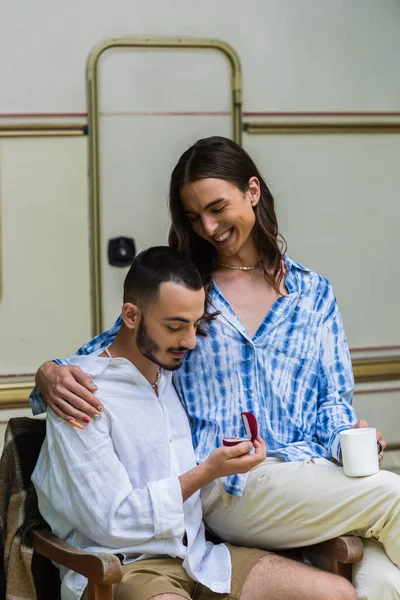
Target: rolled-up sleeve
x=335 y=383
x=167 y=507
x=80 y=475
x=38 y=405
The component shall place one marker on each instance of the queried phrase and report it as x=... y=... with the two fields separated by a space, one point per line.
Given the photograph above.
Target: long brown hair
x=221 y=158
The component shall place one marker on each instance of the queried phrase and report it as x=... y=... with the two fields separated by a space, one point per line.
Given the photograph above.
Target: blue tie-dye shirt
x=294 y=375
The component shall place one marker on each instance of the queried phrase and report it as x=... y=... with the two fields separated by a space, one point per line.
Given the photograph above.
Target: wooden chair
x=103 y=570
x=341 y=554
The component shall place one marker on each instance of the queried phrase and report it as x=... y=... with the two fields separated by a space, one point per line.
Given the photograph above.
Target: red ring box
x=251 y=427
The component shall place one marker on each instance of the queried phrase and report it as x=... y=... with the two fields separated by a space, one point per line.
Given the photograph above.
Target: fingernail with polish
x=100 y=408
x=96 y=417
x=93 y=386
x=86 y=419
x=75 y=424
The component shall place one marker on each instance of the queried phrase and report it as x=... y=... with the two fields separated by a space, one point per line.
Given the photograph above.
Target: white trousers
x=288 y=505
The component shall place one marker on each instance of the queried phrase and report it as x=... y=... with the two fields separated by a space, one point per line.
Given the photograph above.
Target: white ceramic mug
x=359 y=451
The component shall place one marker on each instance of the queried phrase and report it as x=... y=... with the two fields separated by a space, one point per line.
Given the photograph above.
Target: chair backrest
x=25 y=574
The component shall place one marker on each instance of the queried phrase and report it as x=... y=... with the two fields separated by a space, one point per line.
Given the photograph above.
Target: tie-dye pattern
x=295 y=375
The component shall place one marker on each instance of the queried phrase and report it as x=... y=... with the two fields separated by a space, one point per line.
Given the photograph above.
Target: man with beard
x=128 y=483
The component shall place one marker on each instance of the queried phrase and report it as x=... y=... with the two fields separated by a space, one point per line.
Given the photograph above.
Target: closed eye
x=195 y=325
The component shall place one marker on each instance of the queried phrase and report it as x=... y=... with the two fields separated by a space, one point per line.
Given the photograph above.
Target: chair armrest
x=100 y=568
x=344 y=549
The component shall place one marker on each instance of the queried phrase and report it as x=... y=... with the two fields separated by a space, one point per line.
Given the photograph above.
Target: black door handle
x=121 y=251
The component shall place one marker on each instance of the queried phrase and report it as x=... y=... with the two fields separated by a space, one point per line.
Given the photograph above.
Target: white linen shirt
x=114 y=487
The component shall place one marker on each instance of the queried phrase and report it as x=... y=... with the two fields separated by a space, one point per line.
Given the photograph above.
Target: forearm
x=36 y=399
x=101 y=502
x=42 y=374
x=120 y=519
x=195 y=479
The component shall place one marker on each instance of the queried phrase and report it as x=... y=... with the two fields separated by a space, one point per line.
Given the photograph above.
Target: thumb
x=239 y=449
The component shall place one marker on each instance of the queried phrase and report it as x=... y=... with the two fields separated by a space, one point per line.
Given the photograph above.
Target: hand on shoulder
x=68 y=391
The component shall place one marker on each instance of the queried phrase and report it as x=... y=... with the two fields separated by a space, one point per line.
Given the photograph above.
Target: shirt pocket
x=297 y=337
x=294 y=357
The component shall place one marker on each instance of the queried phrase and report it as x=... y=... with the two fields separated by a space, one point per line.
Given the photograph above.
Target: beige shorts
x=144 y=579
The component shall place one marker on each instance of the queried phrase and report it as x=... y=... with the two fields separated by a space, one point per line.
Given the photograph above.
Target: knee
x=340 y=589
x=331 y=587
x=345 y=591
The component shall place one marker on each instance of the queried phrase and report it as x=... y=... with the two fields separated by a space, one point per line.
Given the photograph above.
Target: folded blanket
x=23 y=573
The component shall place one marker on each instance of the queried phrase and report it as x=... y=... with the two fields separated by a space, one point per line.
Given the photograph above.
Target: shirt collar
x=292 y=275
x=91 y=364
x=94 y=365
x=293 y=285
x=292 y=264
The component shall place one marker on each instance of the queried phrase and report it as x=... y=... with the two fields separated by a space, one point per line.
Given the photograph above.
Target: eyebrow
x=209 y=205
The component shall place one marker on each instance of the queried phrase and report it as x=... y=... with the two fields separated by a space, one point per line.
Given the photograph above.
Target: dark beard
x=149 y=347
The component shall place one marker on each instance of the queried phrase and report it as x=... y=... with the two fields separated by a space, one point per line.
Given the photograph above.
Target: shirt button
x=117 y=362
x=279 y=310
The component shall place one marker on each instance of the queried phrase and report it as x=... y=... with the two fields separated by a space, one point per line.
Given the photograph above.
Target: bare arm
x=222 y=462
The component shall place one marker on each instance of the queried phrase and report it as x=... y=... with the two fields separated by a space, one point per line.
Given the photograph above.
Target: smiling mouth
x=224 y=236
x=178 y=354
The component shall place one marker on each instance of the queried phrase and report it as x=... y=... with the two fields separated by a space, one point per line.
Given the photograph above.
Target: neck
x=124 y=346
x=247 y=256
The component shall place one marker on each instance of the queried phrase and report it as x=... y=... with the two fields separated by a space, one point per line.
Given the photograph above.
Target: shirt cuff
x=336 y=447
x=38 y=405
x=167 y=504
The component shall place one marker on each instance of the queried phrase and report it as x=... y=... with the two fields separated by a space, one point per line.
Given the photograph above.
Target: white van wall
x=313 y=55
x=337 y=196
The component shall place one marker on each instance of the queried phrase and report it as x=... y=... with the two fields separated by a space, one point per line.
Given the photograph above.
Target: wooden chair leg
x=97 y=591
x=345 y=570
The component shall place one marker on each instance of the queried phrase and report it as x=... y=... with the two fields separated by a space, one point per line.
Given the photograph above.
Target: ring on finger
x=379 y=446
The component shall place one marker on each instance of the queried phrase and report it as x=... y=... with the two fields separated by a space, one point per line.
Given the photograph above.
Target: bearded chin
x=149 y=348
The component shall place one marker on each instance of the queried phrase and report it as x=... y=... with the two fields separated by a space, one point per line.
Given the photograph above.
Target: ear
x=130 y=315
x=254 y=191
